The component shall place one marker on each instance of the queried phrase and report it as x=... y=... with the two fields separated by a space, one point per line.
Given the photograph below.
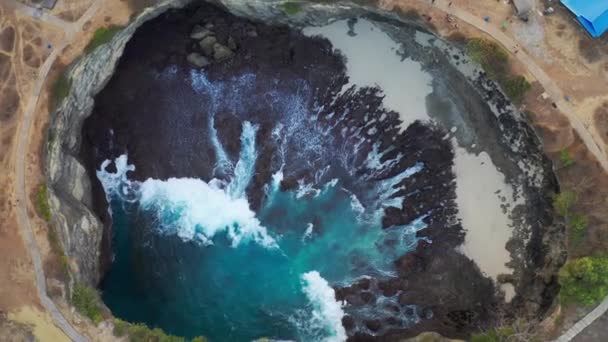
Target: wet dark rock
x=373 y=325
x=367 y=297
x=348 y=322
x=200 y=32
x=231 y=43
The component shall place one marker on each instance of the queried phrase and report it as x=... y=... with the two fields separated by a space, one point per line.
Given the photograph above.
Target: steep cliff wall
x=79 y=229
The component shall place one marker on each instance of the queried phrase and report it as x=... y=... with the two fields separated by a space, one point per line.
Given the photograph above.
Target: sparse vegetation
x=563 y=203
x=584 y=280
x=515 y=87
x=86 y=301
x=102 y=36
x=519 y=331
x=139 y=332
x=60 y=90
x=42 y=203
x=577 y=223
x=495 y=62
x=291 y=8
x=566 y=158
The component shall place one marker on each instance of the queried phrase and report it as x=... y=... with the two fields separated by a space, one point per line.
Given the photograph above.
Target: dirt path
x=21 y=152
x=551 y=88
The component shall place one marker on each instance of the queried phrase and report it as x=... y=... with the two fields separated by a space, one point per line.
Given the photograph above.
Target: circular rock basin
x=356 y=180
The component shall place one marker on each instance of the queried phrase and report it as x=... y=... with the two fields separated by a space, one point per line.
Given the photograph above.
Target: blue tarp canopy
x=592 y=14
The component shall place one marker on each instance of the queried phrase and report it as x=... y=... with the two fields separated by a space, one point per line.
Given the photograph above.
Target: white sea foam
x=115 y=184
x=356 y=205
x=245 y=167
x=189 y=208
x=308 y=233
x=326 y=313
x=194 y=210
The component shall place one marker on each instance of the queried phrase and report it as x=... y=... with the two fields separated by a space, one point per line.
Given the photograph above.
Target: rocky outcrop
x=80 y=230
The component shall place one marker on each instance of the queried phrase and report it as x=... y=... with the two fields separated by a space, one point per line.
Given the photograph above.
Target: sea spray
x=326 y=312
x=193 y=210
x=245 y=167
x=189 y=208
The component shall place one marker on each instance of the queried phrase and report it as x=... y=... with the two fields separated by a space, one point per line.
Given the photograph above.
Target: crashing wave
x=326 y=315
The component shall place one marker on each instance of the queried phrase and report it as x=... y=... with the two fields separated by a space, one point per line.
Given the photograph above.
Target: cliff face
x=79 y=229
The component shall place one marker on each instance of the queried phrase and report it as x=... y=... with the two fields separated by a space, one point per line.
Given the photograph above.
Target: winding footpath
x=557 y=96
x=21 y=152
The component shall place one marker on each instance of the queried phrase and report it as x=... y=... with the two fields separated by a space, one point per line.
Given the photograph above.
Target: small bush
x=577 y=223
x=584 y=280
x=139 y=332
x=42 y=203
x=563 y=202
x=495 y=62
x=515 y=87
x=566 y=158
x=60 y=90
x=86 y=301
x=102 y=36
x=491 y=56
x=291 y=8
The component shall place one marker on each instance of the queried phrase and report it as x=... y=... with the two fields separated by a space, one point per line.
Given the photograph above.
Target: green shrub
x=577 y=224
x=139 y=332
x=60 y=90
x=102 y=36
x=584 y=280
x=566 y=158
x=495 y=62
x=491 y=56
x=86 y=301
x=515 y=87
x=291 y=8
x=42 y=203
x=563 y=202
x=64 y=264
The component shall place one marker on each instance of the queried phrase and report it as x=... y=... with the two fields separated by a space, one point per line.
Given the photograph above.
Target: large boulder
x=221 y=52
x=207 y=45
x=198 y=60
